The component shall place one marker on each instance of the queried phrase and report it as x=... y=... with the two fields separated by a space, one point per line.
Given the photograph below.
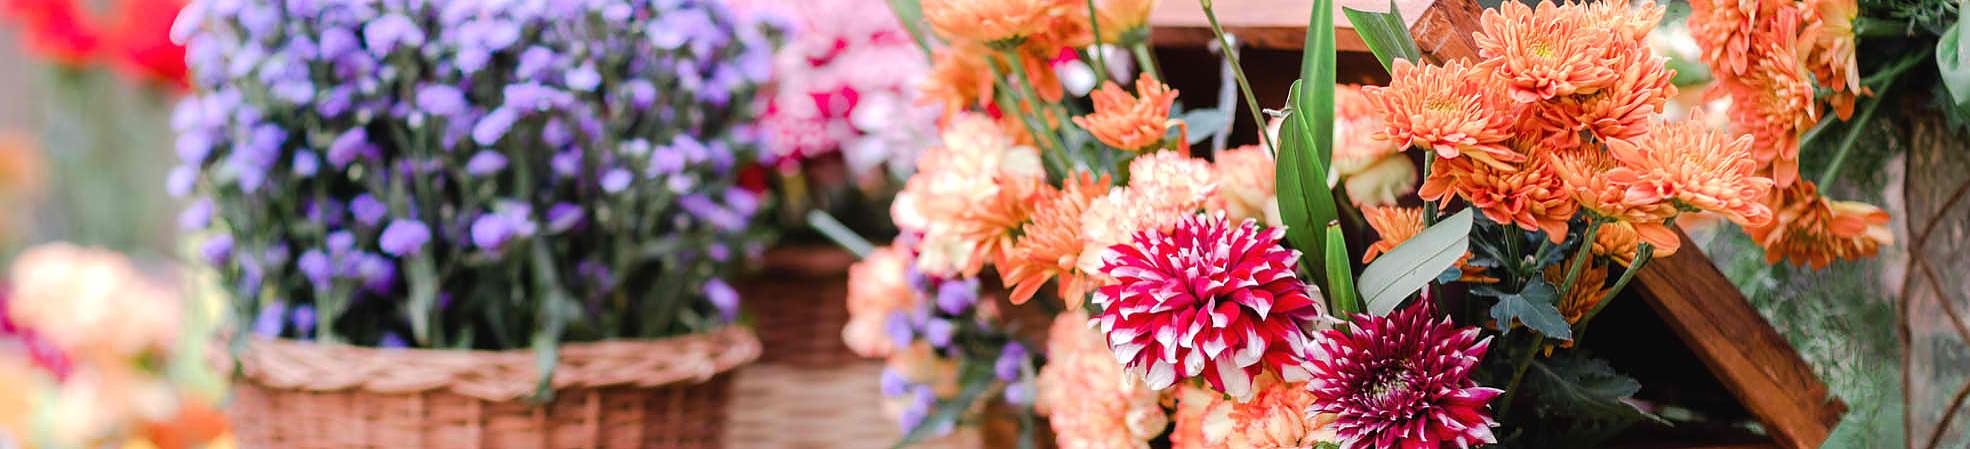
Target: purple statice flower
x=723 y=298
x=302 y=319
x=955 y=297
x=367 y=209
x=440 y=99
x=893 y=383
x=562 y=217
x=494 y=125
x=305 y=163
x=1011 y=361
x=217 y=250
x=386 y=33
x=181 y=181
x=1020 y=393
x=347 y=147
x=196 y=216
x=485 y=162
x=493 y=229
x=404 y=237
x=314 y=265
x=702 y=208
x=938 y=332
x=901 y=333
x=390 y=340
x=267 y=322
x=616 y=180
x=378 y=273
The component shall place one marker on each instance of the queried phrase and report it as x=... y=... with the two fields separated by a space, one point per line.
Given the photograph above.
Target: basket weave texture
x=800 y=300
x=648 y=394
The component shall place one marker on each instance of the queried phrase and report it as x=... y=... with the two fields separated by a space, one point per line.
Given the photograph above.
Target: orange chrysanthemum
x=1585 y=176
x=1694 y=167
x=1052 y=244
x=1246 y=184
x=1830 y=34
x=1809 y=229
x=1133 y=123
x=959 y=78
x=1773 y=99
x=1398 y=224
x=1729 y=31
x=1622 y=110
x=1451 y=109
x=1628 y=23
x=877 y=286
x=1544 y=53
x=1068 y=29
x=994 y=22
x=1531 y=196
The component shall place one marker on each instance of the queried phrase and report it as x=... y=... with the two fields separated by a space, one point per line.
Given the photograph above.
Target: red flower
x=55 y=29
x=1205 y=299
x=1402 y=381
x=141 y=39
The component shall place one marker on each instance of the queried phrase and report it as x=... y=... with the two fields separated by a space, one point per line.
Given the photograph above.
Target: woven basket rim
x=501 y=375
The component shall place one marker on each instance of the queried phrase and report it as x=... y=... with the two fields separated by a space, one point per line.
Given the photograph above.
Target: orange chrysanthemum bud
x=1694 y=167
x=1132 y=123
x=1809 y=229
x=1451 y=109
x=1544 y=53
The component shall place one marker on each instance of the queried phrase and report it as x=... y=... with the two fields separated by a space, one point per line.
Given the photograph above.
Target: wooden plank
x=1740 y=347
x=1275 y=24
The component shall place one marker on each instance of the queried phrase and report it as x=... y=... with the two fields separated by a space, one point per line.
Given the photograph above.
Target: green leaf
x=975 y=379
x=910 y=13
x=1340 y=275
x=1411 y=265
x=1952 y=58
x=1316 y=95
x=1533 y=306
x=1385 y=35
x=1205 y=123
x=1306 y=204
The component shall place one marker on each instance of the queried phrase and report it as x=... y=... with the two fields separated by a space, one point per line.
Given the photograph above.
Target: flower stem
x=1052 y=152
x=1642 y=256
x=1518 y=375
x=1147 y=59
x=1580 y=256
x=1862 y=119
x=1040 y=106
x=1429 y=207
x=1100 y=55
x=1238 y=70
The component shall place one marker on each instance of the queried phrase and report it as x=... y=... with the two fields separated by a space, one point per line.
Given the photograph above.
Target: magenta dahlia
x=1206 y=299
x=1402 y=381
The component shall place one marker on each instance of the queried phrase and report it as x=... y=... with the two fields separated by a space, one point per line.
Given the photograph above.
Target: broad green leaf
x=1340 y=275
x=1411 y=265
x=975 y=379
x=1534 y=307
x=1316 y=94
x=1305 y=202
x=1205 y=123
x=1953 y=62
x=1385 y=35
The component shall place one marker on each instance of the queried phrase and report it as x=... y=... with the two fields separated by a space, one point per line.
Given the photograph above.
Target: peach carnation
x=877 y=289
x=1277 y=417
x=1246 y=185
x=970 y=195
x=1087 y=398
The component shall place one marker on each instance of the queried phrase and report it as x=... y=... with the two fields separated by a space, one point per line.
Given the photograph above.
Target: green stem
x=1238 y=70
x=1147 y=59
x=1009 y=103
x=1861 y=120
x=1581 y=256
x=1429 y=207
x=1873 y=27
x=1642 y=256
x=1518 y=375
x=1100 y=57
x=834 y=230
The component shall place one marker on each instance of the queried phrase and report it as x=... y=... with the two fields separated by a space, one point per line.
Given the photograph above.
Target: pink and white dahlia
x=1402 y=381
x=1205 y=299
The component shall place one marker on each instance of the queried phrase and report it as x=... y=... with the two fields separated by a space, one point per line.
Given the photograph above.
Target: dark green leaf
x=1316 y=95
x=1340 y=275
x=1385 y=34
x=1534 y=307
x=1581 y=401
x=973 y=381
x=1414 y=263
x=1953 y=62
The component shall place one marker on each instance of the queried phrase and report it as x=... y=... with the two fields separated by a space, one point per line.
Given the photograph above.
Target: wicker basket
x=669 y=394
x=800 y=302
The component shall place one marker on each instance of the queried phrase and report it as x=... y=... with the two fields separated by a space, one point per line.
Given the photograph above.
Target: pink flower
x=1205 y=299
x=1402 y=381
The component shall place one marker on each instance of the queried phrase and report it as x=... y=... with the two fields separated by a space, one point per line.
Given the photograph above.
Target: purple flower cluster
x=365 y=158
x=957 y=328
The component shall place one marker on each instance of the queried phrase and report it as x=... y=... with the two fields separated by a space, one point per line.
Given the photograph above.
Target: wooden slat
x=1739 y=347
x=1279 y=24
